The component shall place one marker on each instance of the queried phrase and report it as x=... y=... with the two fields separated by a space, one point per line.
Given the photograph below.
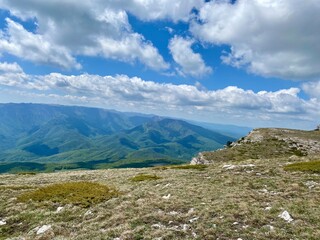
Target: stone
x=59 y=209
x=43 y=229
x=286 y=216
x=229 y=167
x=167 y=197
x=193 y=219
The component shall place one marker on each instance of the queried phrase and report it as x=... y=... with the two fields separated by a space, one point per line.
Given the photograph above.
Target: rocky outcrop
x=199 y=159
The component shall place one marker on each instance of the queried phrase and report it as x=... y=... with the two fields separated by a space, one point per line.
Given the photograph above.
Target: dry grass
x=219 y=202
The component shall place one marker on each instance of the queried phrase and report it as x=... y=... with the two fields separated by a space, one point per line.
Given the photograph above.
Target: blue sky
x=246 y=62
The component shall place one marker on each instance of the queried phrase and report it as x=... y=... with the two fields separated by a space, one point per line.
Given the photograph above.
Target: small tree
x=229 y=144
x=317 y=128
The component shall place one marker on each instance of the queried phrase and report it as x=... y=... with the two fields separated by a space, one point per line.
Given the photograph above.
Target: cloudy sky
x=247 y=62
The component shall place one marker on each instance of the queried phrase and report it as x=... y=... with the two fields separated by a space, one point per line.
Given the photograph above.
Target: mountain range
x=42 y=137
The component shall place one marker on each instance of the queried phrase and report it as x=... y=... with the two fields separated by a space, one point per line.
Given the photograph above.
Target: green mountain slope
x=79 y=137
x=163 y=138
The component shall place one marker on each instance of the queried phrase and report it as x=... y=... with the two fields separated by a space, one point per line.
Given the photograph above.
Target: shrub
x=144 y=177
x=228 y=143
x=189 y=166
x=78 y=193
x=26 y=173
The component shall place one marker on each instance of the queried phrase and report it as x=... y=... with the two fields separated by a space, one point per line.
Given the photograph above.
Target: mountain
x=163 y=138
x=58 y=137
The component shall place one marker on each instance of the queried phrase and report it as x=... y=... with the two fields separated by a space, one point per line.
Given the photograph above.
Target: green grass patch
x=82 y=194
x=15 y=188
x=144 y=177
x=199 y=167
x=26 y=173
x=188 y=166
x=312 y=166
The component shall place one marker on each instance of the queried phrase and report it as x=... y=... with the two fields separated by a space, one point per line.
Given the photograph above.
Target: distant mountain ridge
x=71 y=136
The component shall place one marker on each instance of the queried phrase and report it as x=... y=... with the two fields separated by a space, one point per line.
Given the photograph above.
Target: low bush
x=199 y=167
x=26 y=173
x=312 y=166
x=83 y=194
x=189 y=166
x=144 y=177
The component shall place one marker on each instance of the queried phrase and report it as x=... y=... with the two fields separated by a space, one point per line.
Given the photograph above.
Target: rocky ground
x=247 y=198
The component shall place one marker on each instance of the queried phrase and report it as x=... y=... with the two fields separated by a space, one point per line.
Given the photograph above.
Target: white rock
x=2 y=222
x=172 y=213
x=285 y=216
x=43 y=229
x=167 y=197
x=264 y=190
x=185 y=227
x=157 y=225
x=235 y=223
x=193 y=219
x=88 y=213
x=268 y=208
x=191 y=210
x=59 y=209
x=247 y=165
x=228 y=167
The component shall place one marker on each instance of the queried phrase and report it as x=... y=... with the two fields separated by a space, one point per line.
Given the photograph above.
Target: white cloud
x=231 y=104
x=19 y=42
x=94 y=28
x=312 y=89
x=269 y=38
x=191 y=63
x=10 y=67
x=162 y=9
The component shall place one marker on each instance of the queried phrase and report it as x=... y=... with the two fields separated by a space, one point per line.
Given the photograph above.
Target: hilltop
x=259 y=195
x=266 y=143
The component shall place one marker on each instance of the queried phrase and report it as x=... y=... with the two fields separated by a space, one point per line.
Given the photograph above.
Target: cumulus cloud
x=94 y=28
x=191 y=63
x=162 y=9
x=34 y=47
x=136 y=94
x=269 y=38
x=10 y=67
x=312 y=89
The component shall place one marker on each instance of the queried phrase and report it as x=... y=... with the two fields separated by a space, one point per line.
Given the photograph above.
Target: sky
x=252 y=63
